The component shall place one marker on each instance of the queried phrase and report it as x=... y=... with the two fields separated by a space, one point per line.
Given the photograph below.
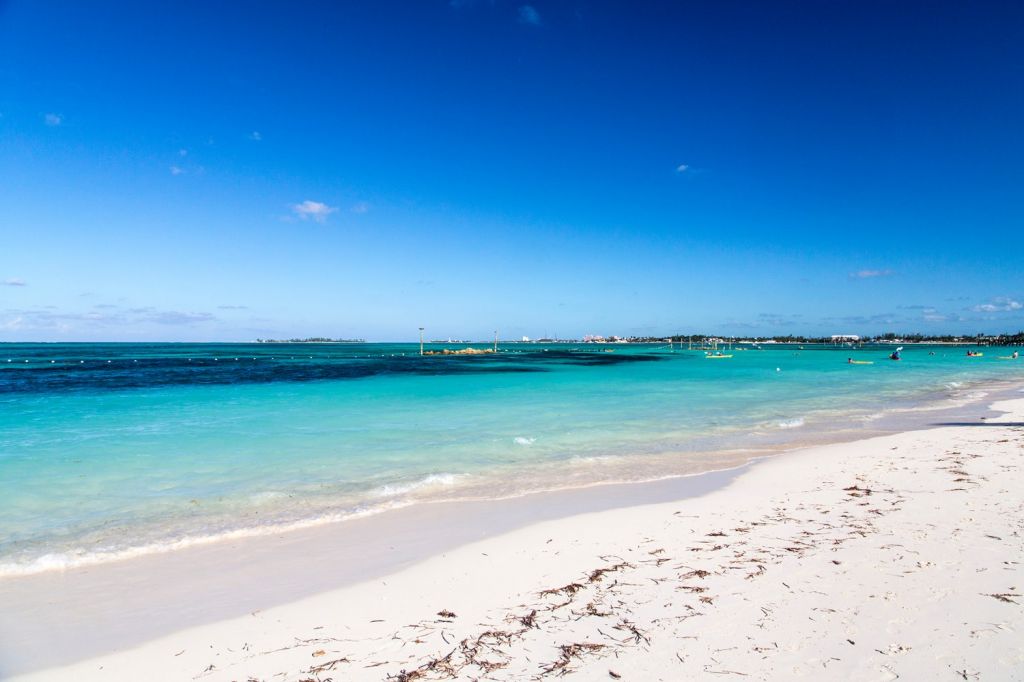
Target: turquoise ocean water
x=110 y=450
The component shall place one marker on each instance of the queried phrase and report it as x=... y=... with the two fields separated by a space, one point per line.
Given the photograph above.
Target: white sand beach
x=895 y=557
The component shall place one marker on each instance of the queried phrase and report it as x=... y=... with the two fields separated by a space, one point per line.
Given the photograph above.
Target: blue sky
x=209 y=171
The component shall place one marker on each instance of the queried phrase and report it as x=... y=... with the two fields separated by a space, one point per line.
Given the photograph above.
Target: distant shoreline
x=310 y=340
x=1001 y=340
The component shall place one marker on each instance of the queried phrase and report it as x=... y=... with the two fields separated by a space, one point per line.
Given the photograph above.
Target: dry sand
x=895 y=557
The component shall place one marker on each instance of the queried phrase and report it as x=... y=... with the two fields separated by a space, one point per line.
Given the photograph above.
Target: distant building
x=526 y=339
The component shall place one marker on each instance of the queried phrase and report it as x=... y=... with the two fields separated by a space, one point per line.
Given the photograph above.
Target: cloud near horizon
x=1000 y=304
x=178 y=317
x=14 y=282
x=931 y=314
x=313 y=210
x=105 y=316
x=102 y=315
x=869 y=274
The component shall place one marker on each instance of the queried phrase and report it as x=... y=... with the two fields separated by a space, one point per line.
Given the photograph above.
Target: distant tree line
x=985 y=339
x=311 y=339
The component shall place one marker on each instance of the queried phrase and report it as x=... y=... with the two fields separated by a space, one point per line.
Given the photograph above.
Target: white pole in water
x=495 y=340
x=421 y=340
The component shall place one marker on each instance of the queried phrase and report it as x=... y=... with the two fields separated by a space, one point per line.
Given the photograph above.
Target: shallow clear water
x=110 y=449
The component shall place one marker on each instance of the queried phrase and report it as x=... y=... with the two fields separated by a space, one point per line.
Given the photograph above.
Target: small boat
x=861 y=362
x=975 y=355
x=717 y=357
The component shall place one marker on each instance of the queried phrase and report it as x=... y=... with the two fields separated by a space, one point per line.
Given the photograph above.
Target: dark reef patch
x=99 y=367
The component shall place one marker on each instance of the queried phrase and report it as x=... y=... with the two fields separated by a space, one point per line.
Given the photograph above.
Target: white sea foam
x=81 y=557
x=592 y=459
x=790 y=423
x=267 y=496
x=433 y=480
x=521 y=440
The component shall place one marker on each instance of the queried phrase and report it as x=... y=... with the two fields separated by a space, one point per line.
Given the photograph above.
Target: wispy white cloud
x=1000 y=304
x=313 y=210
x=53 y=120
x=869 y=274
x=361 y=207
x=177 y=170
x=777 y=319
x=178 y=317
x=682 y=168
x=878 y=318
x=529 y=15
x=183 y=153
x=255 y=136
x=233 y=307
x=107 y=316
x=14 y=282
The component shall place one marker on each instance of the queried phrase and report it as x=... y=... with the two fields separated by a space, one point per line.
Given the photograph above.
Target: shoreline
x=200 y=586
x=745 y=445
